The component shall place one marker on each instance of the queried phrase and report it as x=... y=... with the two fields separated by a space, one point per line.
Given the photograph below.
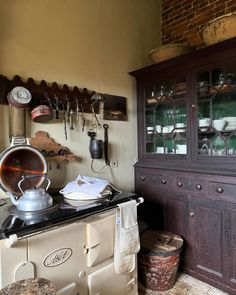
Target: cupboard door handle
x=219 y=190
x=191 y=214
x=143 y=178
x=179 y=184
x=198 y=186
x=163 y=181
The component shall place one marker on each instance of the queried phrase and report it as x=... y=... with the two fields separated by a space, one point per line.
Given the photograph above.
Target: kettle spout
x=13 y=199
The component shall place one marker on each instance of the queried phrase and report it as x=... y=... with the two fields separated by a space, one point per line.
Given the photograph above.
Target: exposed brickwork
x=182 y=20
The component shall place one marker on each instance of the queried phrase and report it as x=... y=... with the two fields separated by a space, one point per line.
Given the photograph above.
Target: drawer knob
x=219 y=190
x=179 y=184
x=163 y=181
x=143 y=178
x=198 y=186
x=191 y=214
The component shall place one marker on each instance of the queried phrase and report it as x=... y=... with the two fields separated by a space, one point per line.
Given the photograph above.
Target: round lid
x=19 y=96
x=18 y=161
x=160 y=241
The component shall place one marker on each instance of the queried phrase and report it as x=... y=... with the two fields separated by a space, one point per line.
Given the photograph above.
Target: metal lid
x=160 y=241
x=19 y=97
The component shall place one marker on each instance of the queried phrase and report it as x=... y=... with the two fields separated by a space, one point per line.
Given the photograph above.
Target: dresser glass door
x=166 y=118
x=216 y=112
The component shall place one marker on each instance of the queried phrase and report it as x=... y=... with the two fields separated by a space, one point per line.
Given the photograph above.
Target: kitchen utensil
x=42 y=114
x=19 y=97
x=71 y=120
x=17 y=161
x=33 y=199
x=64 y=121
x=57 y=107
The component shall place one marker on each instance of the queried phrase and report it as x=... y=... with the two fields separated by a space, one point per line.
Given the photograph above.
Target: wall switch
x=114 y=163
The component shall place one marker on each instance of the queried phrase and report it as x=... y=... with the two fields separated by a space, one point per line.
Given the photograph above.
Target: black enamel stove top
x=21 y=223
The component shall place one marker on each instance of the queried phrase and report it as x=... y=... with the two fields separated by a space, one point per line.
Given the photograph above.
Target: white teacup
x=204 y=122
x=158 y=128
x=168 y=129
x=181 y=149
x=150 y=129
x=160 y=150
x=219 y=124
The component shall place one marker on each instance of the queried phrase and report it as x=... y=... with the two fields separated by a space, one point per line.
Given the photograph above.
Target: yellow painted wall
x=87 y=43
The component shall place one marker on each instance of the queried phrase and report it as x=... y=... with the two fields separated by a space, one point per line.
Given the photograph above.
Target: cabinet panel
x=207 y=219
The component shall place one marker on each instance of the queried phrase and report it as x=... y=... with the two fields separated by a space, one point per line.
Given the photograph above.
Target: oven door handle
x=87 y=247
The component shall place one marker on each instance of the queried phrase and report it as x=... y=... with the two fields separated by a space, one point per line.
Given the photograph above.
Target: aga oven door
x=58 y=255
x=104 y=281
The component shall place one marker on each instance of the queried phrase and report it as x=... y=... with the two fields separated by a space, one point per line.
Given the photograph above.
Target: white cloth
x=127 y=242
x=84 y=188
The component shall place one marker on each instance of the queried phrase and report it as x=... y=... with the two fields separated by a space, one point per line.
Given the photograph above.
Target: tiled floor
x=185 y=285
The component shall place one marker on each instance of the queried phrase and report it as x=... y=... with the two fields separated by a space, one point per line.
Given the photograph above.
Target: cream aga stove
x=70 y=245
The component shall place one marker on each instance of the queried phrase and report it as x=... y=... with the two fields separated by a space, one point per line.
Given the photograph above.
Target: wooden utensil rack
x=50 y=149
x=59 y=96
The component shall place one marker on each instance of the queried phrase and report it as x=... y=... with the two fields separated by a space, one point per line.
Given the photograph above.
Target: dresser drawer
x=225 y=191
x=159 y=181
x=196 y=186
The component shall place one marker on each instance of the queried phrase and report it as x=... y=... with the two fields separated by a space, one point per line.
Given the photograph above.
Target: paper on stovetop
x=86 y=188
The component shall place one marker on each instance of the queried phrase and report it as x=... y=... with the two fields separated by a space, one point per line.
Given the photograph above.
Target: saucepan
x=42 y=114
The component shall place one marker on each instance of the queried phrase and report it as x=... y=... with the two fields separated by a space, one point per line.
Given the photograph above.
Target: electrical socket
x=114 y=163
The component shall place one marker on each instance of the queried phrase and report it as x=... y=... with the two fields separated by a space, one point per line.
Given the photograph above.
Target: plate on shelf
x=229 y=128
x=204 y=128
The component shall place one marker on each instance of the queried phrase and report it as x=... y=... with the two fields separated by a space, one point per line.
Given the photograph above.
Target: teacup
x=150 y=129
x=160 y=150
x=168 y=129
x=204 y=122
x=219 y=124
x=158 y=128
x=181 y=149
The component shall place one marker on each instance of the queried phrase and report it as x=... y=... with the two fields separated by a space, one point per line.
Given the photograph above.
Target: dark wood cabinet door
x=209 y=248
x=229 y=234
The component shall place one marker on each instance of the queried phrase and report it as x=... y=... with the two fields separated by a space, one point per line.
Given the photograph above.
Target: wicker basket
x=219 y=29
x=168 y=51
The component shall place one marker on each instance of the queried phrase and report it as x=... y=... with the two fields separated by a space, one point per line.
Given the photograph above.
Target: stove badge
x=57 y=257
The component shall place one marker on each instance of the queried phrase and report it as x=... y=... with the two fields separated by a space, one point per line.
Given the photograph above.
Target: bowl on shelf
x=219 y=124
x=168 y=51
x=219 y=29
x=230 y=123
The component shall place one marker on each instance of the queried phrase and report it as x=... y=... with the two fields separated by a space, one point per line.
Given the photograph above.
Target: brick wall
x=182 y=20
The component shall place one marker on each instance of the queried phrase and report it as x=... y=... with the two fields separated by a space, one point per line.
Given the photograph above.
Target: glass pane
x=166 y=117
x=216 y=104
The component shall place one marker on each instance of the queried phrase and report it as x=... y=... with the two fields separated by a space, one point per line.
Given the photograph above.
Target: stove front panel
x=58 y=255
x=61 y=255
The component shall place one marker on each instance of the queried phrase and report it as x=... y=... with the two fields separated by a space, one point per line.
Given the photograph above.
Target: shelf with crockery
x=165 y=117
x=167 y=140
x=216 y=105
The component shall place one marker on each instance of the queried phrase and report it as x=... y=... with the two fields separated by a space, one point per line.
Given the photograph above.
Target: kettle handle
x=24 y=177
